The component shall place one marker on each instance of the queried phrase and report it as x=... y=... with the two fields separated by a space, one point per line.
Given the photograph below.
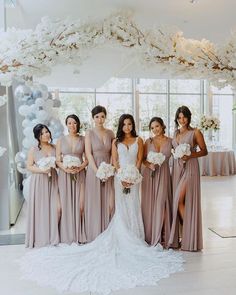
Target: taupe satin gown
x=72 y=228
x=98 y=196
x=156 y=198
x=187 y=176
x=42 y=207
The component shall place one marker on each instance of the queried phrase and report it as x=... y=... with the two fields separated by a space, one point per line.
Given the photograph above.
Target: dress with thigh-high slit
x=186 y=177
x=157 y=198
x=72 y=189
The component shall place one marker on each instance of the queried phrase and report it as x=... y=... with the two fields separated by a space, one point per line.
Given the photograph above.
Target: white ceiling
x=210 y=19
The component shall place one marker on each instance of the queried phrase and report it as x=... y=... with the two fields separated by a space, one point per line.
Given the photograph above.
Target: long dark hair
x=120 y=135
x=37 y=130
x=98 y=109
x=77 y=120
x=158 y=120
x=187 y=114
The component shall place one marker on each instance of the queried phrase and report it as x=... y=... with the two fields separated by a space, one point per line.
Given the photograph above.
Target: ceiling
x=209 y=19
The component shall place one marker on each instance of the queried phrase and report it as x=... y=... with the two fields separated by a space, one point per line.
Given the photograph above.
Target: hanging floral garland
x=29 y=53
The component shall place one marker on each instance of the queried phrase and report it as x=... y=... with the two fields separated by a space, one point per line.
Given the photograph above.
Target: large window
x=222 y=105
x=145 y=98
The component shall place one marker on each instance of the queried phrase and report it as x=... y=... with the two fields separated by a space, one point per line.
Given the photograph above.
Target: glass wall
x=222 y=105
x=145 y=98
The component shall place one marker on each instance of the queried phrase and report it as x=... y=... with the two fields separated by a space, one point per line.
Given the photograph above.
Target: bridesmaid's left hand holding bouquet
x=155 y=159
x=105 y=171
x=47 y=163
x=71 y=162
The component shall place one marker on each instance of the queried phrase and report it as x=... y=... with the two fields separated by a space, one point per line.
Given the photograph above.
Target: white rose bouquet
x=129 y=174
x=181 y=150
x=156 y=159
x=46 y=163
x=105 y=171
x=71 y=162
x=209 y=123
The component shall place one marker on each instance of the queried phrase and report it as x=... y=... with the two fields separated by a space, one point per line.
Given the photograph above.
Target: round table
x=218 y=163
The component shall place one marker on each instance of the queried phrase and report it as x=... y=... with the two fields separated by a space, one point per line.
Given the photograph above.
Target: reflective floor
x=213 y=271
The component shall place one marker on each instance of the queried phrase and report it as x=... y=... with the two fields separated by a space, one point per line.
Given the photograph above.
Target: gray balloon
x=29 y=100
x=56 y=103
x=31 y=116
x=37 y=94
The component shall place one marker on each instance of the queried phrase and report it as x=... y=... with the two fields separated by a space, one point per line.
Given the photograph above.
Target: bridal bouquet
x=156 y=159
x=105 y=171
x=129 y=174
x=70 y=162
x=46 y=163
x=181 y=150
x=209 y=122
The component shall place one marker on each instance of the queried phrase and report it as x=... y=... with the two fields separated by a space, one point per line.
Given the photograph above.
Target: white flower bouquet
x=156 y=159
x=129 y=174
x=181 y=150
x=46 y=163
x=209 y=123
x=105 y=171
x=71 y=162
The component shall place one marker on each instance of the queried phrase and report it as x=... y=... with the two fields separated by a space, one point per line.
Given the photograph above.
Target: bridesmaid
x=99 y=198
x=43 y=205
x=156 y=190
x=187 y=220
x=72 y=189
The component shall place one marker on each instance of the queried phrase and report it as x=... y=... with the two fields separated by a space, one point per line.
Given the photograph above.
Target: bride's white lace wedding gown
x=117 y=259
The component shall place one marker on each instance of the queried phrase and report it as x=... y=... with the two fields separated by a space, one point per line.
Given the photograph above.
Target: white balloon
x=24 y=110
x=20 y=157
x=34 y=109
x=21 y=167
x=56 y=135
x=35 y=122
x=25 y=123
x=26 y=185
x=21 y=91
x=40 y=102
x=42 y=115
x=28 y=142
x=28 y=132
x=43 y=87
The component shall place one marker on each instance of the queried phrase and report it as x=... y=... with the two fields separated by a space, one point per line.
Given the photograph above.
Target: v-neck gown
x=42 y=206
x=187 y=176
x=71 y=190
x=156 y=199
x=98 y=196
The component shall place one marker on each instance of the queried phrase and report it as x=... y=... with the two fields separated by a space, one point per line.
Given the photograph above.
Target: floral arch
x=30 y=53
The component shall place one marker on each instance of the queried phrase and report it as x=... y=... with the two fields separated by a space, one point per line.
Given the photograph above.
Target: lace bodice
x=127 y=154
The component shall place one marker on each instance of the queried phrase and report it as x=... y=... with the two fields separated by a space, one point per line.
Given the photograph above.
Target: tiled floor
x=211 y=272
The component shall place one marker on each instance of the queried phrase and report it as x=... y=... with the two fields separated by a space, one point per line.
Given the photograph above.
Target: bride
x=119 y=258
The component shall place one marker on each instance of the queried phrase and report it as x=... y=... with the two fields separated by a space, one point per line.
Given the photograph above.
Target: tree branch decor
x=29 y=53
